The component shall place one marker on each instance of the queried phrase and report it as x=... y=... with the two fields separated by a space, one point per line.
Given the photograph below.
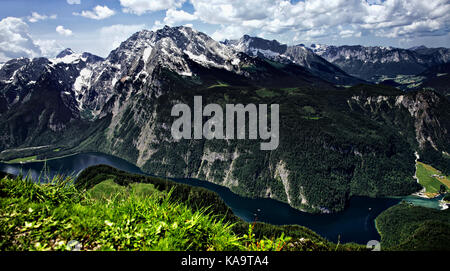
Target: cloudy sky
x=33 y=28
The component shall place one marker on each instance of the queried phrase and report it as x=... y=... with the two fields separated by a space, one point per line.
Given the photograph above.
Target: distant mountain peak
x=421 y=47
x=65 y=52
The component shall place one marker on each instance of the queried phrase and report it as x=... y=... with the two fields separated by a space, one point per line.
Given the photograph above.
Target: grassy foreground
x=109 y=216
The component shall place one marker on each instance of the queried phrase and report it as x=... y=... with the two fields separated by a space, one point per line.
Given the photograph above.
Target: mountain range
x=340 y=135
x=298 y=54
x=376 y=63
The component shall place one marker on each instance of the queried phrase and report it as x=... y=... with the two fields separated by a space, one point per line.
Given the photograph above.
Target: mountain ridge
x=297 y=54
x=373 y=62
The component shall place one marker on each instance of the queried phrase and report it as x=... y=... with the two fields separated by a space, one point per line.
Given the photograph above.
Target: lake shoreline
x=40 y=160
x=418 y=194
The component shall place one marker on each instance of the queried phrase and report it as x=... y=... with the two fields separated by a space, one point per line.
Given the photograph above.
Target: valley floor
x=431 y=179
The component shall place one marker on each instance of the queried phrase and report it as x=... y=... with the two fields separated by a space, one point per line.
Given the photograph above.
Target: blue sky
x=33 y=28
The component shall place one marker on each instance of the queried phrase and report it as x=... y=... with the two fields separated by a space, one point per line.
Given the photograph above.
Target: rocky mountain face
x=377 y=63
x=37 y=96
x=145 y=52
x=334 y=142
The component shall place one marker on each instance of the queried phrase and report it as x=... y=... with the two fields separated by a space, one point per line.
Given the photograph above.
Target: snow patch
x=201 y=59
x=69 y=59
x=147 y=53
x=185 y=73
x=265 y=53
x=11 y=79
x=83 y=79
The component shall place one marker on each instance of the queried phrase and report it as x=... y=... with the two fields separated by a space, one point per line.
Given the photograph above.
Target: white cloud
x=63 y=31
x=230 y=32
x=49 y=48
x=35 y=17
x=316 y=33
x=232 y=12
x=174 y=17
x=157 y=25
x=73 y=2
x=320 y=18
x=140 y=7
x=98 y=13
x=112 y=36
x=15 y=40
x=349 y=33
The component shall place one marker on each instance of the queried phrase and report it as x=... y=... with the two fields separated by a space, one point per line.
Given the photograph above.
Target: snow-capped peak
x=68 y=56
x=173 y=45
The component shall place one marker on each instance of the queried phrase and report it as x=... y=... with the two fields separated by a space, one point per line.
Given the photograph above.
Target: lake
x=354 y=224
